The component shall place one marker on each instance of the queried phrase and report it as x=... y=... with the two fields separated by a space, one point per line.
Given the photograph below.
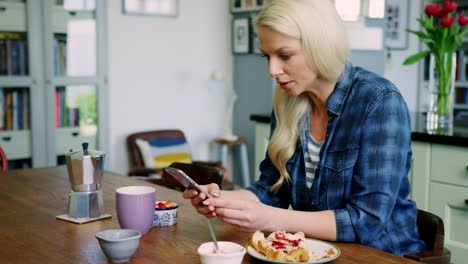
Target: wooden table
x=29 y=232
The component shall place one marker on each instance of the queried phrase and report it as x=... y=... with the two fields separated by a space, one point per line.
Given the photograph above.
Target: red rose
x=447 y=21
x=450 y=6
x=462 y=19
x=432 y=9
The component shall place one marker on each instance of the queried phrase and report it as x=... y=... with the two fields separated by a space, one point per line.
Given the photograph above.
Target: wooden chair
x=431 y=231
x=137 y=164
x=202 y=174
x=3 y=161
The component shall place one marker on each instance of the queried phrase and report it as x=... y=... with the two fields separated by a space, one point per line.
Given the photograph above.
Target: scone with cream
x=281 y=246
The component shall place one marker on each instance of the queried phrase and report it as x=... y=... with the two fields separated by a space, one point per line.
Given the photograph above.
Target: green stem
x=444 y=72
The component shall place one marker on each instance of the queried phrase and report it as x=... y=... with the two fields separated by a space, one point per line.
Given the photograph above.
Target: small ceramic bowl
x=165 y=216
x=119 y=245
x=230 y=253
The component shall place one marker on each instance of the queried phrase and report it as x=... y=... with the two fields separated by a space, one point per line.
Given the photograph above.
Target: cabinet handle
x=2 y=9
x=460 y=206
x=6 y=138
x=75 y=134
x=466 y=167
x=72 y=13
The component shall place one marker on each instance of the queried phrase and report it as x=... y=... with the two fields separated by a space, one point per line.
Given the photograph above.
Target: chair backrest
x=431 y=230
x=202 y=174
x=3 y=161
x=143 y=145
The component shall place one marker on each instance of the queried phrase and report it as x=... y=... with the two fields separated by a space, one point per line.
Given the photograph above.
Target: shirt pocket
x=337 y=175
x=339 y=160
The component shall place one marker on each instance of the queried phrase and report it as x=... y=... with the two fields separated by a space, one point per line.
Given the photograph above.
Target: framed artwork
x=169 y=8
x=238 y=6
x=396 y=23
x=255 y=43
x=240 y=35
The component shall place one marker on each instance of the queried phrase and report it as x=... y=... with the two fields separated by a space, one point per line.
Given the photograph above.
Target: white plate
x=316 y=247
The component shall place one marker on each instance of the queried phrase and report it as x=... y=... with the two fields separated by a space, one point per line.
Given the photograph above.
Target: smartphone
x=186 y=181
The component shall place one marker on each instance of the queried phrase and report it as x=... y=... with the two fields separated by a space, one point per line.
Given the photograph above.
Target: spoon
x=213 y=236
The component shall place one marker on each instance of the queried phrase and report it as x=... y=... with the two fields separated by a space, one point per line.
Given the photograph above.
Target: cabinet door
x=72 y=79
x=449 y=164
x=15 y=84
x=419 y=174
x=448 y=202
x=74 y=38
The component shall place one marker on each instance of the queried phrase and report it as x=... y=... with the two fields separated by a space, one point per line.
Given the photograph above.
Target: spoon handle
x=212 y=234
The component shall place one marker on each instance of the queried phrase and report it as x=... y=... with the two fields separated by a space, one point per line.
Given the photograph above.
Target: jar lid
x=79 y=154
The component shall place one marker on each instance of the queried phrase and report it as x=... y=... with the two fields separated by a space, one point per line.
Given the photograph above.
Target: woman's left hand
x=245 y=215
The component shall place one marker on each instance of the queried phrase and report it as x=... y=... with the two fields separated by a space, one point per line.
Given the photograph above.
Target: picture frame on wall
x=255 y=42
x=240 y=35
x=167 y=8
x=238 y=6
x=396 y=23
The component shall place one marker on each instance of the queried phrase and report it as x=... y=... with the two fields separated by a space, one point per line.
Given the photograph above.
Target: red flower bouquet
x=443 y=29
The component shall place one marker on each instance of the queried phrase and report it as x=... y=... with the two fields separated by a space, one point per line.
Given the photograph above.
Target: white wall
x=159 y=74
x=406 y=77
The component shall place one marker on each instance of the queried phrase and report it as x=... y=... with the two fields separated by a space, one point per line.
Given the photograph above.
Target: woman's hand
x=197 y=198
x=245 y=215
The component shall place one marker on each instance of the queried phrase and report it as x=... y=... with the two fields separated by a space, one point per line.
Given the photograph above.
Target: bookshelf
x=53 y=83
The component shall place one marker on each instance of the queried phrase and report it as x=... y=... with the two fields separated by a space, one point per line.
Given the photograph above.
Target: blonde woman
x=340 y=147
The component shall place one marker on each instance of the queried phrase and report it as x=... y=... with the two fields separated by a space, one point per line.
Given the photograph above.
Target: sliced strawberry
x=169 y=204
x=160 y=205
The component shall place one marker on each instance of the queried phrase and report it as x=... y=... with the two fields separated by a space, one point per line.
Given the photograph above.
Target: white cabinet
x=419 y=174
x=53 y=79
x=13 y=16
x=447 y=201
x=439 y=178
x=71 y=138
x=16 y=143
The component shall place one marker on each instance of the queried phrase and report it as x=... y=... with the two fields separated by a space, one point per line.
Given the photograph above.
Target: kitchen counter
x=459 y=136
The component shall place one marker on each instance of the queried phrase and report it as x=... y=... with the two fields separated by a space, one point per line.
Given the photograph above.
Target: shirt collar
x=337 y=98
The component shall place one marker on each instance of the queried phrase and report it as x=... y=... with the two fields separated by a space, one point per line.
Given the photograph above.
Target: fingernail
x=194 y=192
x=205 y=202
x=216 y=195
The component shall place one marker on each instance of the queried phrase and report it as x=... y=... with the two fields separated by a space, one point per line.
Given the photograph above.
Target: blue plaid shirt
x=363 y=168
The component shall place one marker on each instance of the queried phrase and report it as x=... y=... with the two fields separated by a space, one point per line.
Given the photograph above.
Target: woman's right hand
x=196 y=197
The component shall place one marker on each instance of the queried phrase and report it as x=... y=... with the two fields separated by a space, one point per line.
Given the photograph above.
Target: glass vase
x=440 y=101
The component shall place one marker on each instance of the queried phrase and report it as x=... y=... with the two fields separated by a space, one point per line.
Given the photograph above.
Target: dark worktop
x=459 y=136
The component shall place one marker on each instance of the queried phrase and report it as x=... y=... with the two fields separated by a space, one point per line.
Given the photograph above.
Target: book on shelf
x=461 y=95
x=65 y=115
x=60 y=54
x=15 y=111
x=13 y=53
x=3 y=57
x=8 y=111
x=2 y=111
x=14 y=106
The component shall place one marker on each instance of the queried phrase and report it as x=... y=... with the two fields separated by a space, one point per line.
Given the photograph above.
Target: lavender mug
x=135 y=207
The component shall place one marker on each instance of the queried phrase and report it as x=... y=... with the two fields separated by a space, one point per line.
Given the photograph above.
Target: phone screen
x=185 y=180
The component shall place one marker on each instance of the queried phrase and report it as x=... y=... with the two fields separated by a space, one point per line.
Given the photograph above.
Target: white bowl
x=165 y=216
x=230 y=253
x=119 y=245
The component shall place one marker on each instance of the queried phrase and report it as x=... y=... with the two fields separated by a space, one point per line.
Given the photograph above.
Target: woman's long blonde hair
x=319 y=27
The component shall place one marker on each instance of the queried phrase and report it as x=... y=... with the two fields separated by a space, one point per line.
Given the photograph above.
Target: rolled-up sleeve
x=262 y=188
x=379 y=171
